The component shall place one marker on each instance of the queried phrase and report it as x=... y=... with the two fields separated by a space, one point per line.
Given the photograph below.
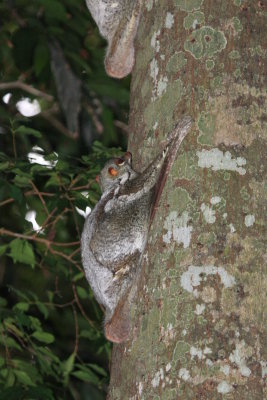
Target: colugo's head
x=116 y=170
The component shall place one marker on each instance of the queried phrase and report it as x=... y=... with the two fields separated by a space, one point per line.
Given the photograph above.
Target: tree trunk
x=198 y=319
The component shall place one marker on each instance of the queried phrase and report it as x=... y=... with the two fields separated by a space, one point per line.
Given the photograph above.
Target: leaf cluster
x=50 y=330
x=51 y=339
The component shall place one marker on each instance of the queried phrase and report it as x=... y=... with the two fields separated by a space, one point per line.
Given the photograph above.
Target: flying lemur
x=115 y=233
x=117 y=21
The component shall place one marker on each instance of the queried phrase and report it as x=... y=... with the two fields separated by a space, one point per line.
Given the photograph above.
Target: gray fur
x=115 y=233
x=117 y=21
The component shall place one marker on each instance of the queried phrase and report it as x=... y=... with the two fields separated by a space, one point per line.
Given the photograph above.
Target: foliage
x=51 y=340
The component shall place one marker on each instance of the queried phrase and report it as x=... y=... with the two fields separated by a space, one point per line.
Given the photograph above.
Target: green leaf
x=62 y=166
x=51 y=157
x=25 y=130
x=68 y=364
x=90 y=334
x=24 y=42
x=35 y=323
x=10 y=380
x=9 y=324
x=22 y=181
x=53 y=181
x=82 y=293
x=43 y=337
x=4 y=373
x=98 y=369
x=3 y=249
x=54 y=9
x=3 y=302
x=13 y=393
x=22 y=306
x=16 y=193
x=22 y=251
x=78 y=276
x=10 y=342
x=41 y=58
x=86 y=375
x=2 y=362
x=21 y=294
x=68 y=367
x=4 y=165
x=23 y=378
x=40 y=393
x=43 y=309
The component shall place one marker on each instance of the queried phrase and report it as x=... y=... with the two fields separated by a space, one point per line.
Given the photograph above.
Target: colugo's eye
x=119 y=161
x=112 y=171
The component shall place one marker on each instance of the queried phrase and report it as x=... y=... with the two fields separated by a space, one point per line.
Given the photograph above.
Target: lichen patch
x=218 y=160
x=193 y=277
x=178 y=228
x=205 y=42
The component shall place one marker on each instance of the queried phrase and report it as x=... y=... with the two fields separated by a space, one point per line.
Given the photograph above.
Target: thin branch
x=75 y=252
x=99 y=127
x=80 y=306
x=40 y=197
x=45 y=223
x=70 y=303
x=84 y=187
x=26 y=88
x=8 y=358
x=29 y=193
x=68 y=258
x=7 y=201
x=14 y=143
x=121 y=125
x=46 y=114
x=76 y=329
x=47 y=242
x=57 y=124
x=78 y=177
x=53 y=223
x=74 y=216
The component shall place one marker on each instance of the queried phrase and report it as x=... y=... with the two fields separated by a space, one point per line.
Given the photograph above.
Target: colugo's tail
x=117 y=328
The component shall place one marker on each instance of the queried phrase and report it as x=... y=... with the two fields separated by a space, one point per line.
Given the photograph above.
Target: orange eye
x=112 y=171
x=119 y=161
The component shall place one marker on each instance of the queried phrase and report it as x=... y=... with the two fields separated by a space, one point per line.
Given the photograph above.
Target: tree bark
x=198 y=319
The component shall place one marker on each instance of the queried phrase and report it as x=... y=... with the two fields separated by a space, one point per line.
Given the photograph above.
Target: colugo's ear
x=128 y=157
x=119 y=161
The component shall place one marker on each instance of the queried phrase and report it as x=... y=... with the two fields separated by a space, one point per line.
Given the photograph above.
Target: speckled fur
x=117 y=22
x=115 y=233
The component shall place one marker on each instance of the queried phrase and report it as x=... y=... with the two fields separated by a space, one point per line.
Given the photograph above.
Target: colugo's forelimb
x=115 y=233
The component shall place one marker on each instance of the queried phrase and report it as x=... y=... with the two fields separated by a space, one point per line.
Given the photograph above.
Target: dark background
x=51 y=339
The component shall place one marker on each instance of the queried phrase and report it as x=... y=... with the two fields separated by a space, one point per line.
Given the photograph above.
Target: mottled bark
x=198 y=320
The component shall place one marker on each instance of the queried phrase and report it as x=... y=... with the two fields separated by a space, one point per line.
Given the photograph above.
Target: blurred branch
x=80 y=306
x=26 y=88
x=47 y=242
x=99 y=127
x=29 y=193
x=47 y=114
x=76 y=346
x=121 y=125
x=40 y=197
